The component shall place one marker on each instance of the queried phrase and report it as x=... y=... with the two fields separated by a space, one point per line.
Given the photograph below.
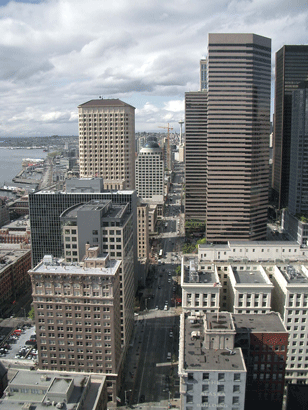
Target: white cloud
x=56 y=54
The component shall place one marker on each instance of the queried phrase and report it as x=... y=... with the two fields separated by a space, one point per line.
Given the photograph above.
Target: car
x=169 y=356
x=169 y=280
x=159 y=287
x=170 y=333
x=166 y=302
x=166 y=307
x=156 y=307
x=169 y=273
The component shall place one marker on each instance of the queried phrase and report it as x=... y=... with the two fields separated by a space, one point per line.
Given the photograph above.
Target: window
x=235 y=400
x=237 y=377
x=205 y=399
x=189 y=399
x=206 y=376
x=221 y=377
x=236 y=388
x=220 y=388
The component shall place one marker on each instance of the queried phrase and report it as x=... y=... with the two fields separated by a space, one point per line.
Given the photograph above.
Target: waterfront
x=11 y=159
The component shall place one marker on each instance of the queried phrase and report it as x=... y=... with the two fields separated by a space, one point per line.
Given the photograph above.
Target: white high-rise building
x=107 y=142
x=150 y=172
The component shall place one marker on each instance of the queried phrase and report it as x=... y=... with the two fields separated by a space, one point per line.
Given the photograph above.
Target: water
x=10 y=162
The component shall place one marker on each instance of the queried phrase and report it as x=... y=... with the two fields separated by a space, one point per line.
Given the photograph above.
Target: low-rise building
x=37 y=390
x=15 y=261
x=212 y=372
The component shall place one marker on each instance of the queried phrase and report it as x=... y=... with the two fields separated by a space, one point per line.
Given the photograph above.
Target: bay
x=11 y=160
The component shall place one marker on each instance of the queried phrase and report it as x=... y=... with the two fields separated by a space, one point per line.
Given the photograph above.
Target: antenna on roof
x=100 y=97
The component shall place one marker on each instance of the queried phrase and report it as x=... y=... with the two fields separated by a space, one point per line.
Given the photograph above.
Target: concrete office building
x=107 y=142
x=195 y=156
x=77 y=315
x=45 y=208
x=210 y=377
x=291 y=69
x=238 y=130
x=281 y=269
x=200 y=287
x=109 y=227
x=150 y=172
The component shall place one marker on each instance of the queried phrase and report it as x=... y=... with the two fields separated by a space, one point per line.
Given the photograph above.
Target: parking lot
x=20 y=345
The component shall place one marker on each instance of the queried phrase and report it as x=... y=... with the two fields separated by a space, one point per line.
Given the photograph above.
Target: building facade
x=238 y=130
x=150 y=171
x=77 y=315
x=298 y=189
x=291 y=69
x=14 y=279
x=45 y=208
x=107 y=142
x=210 y=377
x=263 y=339
x=195 y=156
x=109 y=227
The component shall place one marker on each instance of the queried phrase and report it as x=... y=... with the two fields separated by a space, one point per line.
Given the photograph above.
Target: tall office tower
x=150 y=171
x=238 y=129
x=77 y=315
x=291 y=69
x=107 y=142
x=203 y=75
x=298 y=190
x=195 y=155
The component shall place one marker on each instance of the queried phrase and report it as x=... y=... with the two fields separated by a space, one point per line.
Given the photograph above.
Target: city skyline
x=58 y=54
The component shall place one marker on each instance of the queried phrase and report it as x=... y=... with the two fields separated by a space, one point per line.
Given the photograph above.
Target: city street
x=150 y=373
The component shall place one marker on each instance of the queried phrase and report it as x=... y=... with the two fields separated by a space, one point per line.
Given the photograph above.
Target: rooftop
x=268 y=323
x=105 y=103
x=248 y=276
x=10 y=253
x=196 y=357
x=43 y=384
x=293 y=274
x=57 y=266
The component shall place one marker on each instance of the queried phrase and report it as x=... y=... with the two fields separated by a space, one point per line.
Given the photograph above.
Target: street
x=150 y=373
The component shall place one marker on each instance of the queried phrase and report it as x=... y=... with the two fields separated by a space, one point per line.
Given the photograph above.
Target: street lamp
x=125 y=398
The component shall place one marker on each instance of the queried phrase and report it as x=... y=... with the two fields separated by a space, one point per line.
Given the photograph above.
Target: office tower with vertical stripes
x=238 y=129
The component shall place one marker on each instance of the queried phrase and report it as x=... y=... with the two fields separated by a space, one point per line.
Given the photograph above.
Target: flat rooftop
x=59 y=267
x=200 y=277
x=48 y=383
x=293 y=274
x=264 y=323
x=248 y=276
x=10 y=253
x=196 y=357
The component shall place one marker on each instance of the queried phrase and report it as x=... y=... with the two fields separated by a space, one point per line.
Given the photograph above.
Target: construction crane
x=168 y=162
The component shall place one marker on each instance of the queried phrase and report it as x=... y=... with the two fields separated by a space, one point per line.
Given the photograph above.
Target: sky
x=57 y=54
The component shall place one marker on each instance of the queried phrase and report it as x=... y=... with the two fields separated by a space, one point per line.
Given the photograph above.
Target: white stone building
x=212 y=372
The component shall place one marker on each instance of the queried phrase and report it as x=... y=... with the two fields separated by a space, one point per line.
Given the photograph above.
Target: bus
x=160 y=255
